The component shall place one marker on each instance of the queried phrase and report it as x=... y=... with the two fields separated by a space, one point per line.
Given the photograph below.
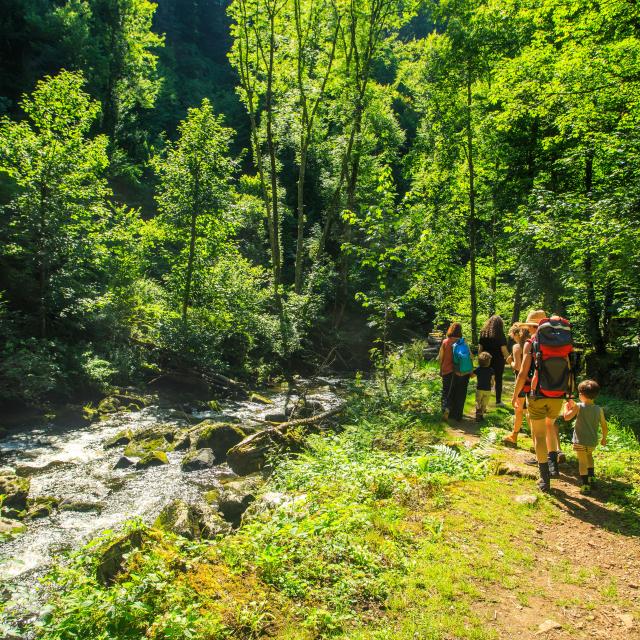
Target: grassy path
x=581 y=568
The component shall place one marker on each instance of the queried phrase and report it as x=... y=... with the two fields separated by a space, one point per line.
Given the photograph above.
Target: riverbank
x=397 y=526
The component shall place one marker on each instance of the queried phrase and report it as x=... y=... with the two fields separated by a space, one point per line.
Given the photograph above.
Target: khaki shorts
x=541 y=408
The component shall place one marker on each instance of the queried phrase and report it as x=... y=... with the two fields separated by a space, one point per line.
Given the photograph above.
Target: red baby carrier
x=551 y=351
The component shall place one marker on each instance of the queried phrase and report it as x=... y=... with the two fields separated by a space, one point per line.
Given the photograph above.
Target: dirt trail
x=586 y=582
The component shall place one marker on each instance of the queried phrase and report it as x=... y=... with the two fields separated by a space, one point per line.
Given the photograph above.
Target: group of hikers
x=545 y=364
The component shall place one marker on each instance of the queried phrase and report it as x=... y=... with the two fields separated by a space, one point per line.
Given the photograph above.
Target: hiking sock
x=591 y=475
x=544 y=484
x=553 y=463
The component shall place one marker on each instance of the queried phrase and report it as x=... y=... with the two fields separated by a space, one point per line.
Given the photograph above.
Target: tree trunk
x=517 y=303
x=592 y=306
x=192 y=249
x=472 y=215
x=300 y=238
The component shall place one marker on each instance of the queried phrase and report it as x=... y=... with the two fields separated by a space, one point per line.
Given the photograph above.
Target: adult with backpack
x=546 y=360
x=493 y=340
x=462 y=370
x=447 y=368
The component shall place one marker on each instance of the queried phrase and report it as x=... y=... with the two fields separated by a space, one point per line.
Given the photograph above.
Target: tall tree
x=194 y=194
x=52 y=227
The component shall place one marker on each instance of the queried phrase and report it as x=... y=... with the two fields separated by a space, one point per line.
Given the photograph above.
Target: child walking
x=485 y=376
x=585 y=431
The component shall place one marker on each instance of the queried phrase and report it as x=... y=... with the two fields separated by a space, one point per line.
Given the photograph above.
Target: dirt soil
x=586 y=582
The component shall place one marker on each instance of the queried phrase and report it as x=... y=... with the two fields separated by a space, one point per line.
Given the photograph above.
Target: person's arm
x=505 y=352
x=523 y=375
x=570 y=410
x=604 y=427
x=516 y=359
x=441 y=354
x=493 y=381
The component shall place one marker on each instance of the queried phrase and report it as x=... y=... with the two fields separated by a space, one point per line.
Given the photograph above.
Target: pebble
x=548 y=625
x=626 y=619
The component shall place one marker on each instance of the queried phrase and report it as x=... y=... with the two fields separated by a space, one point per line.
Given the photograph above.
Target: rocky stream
x=64 y=485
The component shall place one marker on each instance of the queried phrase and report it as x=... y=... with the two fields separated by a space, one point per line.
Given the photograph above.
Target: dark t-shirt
x=484 y=375
x=493 y=346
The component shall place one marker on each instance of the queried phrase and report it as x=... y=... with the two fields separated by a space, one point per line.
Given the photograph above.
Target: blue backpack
x=462 y=357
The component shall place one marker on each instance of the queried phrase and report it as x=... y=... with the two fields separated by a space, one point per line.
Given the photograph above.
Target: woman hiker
x=519 y=333
x=445 y=360
x=493 y=340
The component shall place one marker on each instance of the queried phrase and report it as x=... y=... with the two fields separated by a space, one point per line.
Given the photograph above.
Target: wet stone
x=124 y=463
x=197 y=460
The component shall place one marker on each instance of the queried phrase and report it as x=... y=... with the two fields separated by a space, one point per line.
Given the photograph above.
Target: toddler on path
x=486 y=376
x=585 y=431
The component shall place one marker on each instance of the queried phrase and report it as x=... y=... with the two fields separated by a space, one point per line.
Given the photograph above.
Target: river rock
x=182 y=441
x=152 y=459
x=199 y=459
x=10 y=527
x=251 y=454
x=41 y=507
x=112 y=560
x=159 y=438
x=217 y=436
x=122 y=437
x=191 y=521
x=124 y=463
x=15 y=491
x=83 y=506
x=276 y=416
x=32 y=470
x=236 y=496
x=260 y=399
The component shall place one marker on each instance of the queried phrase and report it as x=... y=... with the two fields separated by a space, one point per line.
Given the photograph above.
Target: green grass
x=384 y=532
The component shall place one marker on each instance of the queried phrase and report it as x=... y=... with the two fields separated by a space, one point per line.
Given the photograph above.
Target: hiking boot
x=544 y=484
x=561 y=458
x=553 y=464
x=591 y=478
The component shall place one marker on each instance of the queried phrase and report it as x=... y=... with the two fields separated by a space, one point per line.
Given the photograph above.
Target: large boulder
x=217 y=436
x=191 y=521
x=252 y=453
x=198 y=459
x=113 y=558
x=15 y=491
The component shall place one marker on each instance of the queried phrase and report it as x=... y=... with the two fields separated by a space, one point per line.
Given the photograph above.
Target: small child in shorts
x=585 y=431
x=485 y=376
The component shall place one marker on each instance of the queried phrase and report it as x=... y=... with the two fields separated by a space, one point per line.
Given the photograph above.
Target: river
x=72 y=464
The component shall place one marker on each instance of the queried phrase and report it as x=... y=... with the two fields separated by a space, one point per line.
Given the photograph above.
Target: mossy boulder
x=113 y=404
x=260 y=399
x=252 y=453
x=198 y=459
x=15 y=491
x=152 y=459
x=42 y=506
x=191 y=521
x=10 y=527
x=122 y=437
x=124 y=463
x=83 y=506
x=112 y=560
x=217 y=436
x=158 y=438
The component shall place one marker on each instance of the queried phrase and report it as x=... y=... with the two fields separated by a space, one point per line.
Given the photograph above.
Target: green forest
x=246 y=188
x=233 y=236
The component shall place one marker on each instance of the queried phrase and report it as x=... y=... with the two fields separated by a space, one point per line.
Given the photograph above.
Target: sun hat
x=533 y=319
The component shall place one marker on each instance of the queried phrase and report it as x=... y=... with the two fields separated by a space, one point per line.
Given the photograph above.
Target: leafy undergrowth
x=379 y=531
